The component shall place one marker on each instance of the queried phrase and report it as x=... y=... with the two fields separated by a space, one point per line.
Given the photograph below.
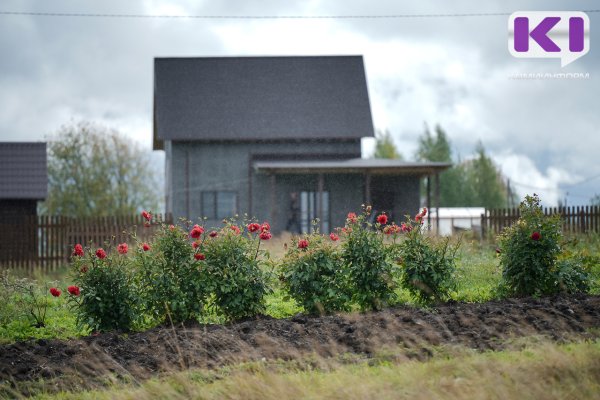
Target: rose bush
x=232 y=269
x=105 y=297
x=368 y=262
x=168 y=276
x=427 y=267
x=532 y=256
x=313 y=274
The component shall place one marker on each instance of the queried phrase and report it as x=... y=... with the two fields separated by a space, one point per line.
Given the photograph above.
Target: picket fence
x=47 y=242
x=580 y=219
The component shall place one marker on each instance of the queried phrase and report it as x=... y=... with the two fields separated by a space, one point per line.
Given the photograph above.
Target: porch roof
x=376 y=166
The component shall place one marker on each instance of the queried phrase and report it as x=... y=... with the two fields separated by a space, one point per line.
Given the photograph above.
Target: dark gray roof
x=355 y=165
x=261 y=98
x=23 y=171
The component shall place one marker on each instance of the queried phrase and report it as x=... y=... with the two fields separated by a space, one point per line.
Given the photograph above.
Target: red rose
x=100 y=253
x=382 y=219
x=302 y=243
x=55 y=292
x=334 y=237
x=122 y=248
x=199 y=256
x=424 y=212
x=253 y=227
x=265 y=227
x=266 y=235
x=235 y=229
x=145 y=247
x=387 y=230
x=78 y=250
x=74 y=290
x=352 y=217
x=213 y=234
x=195 y=244
x=196 y=231
x=171 y=227
x=147 y=216
x=536 y=236
x=405 y=228
x=83 y=269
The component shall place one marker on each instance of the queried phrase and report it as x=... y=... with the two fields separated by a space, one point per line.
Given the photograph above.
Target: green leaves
x=427 y=267
x=94 y=171
x=108 y=299
x=529 y=250
x=234 y=272
x=315 y=276
x=369 y=264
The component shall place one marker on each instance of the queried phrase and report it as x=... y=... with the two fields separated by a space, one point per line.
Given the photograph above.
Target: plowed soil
x=86 y=362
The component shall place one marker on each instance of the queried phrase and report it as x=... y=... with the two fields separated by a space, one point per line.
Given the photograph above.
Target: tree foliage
x=434 y=148
x=385 y=147
x=475 y=182
x=95 y=171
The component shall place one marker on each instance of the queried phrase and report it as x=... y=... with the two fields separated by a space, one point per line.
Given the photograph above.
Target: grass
x=537 y=371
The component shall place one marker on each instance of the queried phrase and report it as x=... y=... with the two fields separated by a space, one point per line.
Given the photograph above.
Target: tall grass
x=542 y=371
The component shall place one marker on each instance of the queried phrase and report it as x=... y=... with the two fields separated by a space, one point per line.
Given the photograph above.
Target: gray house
x=278 y=138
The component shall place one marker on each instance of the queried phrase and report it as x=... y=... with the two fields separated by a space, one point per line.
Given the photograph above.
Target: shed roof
x=260 y=98
x=355 y=165
x=23 y=171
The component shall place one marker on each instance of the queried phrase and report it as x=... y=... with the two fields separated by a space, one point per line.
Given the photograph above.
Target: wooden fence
x=581 y=219
x=47 y=241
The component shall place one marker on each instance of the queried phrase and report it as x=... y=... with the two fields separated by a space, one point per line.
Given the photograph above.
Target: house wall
x=193 y=167
x=404 y=190
x=17 y=239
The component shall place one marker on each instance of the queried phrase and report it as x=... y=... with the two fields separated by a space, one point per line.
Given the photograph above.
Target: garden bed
x=88 y=362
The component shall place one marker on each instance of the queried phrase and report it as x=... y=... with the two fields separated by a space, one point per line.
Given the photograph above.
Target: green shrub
x=231 y=270
x=427 y=267
x=106 y=298
x=529 y=253
x=368 y=262
x=313 y=274
x=24 y=299
x=168 y=276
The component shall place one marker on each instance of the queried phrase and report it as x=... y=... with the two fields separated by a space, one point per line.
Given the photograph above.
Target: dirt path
x=87 y=361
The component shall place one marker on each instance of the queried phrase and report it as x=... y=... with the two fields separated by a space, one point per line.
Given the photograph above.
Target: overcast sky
x=454 y=71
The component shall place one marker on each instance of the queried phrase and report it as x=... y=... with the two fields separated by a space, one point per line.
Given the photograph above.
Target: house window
x=219 y=205
x=309 y=210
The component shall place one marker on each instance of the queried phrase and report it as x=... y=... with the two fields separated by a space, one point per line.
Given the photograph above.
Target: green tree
x=434 y=148
x=486 y=181
x=95 y=171
x=472 y=183
x=385 y=147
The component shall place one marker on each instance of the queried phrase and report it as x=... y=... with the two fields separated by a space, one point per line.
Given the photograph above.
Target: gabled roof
x=355 y=165
x=260 y=98
x=23 y=171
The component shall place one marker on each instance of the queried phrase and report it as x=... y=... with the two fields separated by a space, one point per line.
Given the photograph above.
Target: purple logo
x=549 y=34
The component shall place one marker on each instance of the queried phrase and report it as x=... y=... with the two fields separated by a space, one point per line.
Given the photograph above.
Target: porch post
x=273 y=205
x=437 y=203
x=320 y=184
x=428 y=205
x=368 y=188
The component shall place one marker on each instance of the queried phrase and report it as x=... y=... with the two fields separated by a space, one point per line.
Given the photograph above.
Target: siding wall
x=194 y=167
